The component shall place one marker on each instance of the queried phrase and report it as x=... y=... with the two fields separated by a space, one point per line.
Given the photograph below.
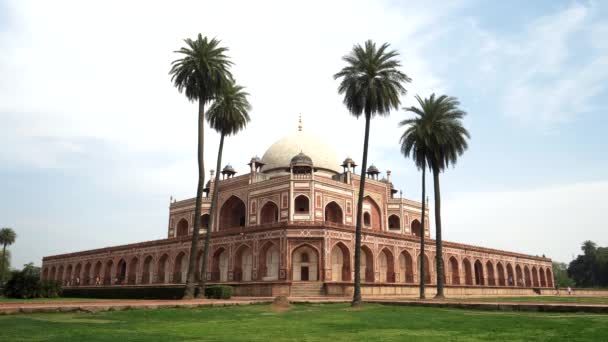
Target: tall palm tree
x=372 y=85
x=201 y=72
x=446 y=141
x=7 y=238
x=414 y=144
x=228 y=115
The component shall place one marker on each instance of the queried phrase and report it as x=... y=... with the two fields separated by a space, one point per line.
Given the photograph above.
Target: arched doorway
x=527 y=278
x=501 y=274
x=77 y=271
x=305 y=264
x=333 y=213
x=416 y=228
x=370 y=206
x=269 y=262
x=132 y=277
x=45 y=274
x=367 y=220
x=490 y=273
x=301 y=205
x=519 y=276
x=182 y=228
x=53 y=274
x=205 y=222
x=269 y=213
x=121 y=272
x=511 y=280
x=68 y=275
x=549 y=278
x=60 y=278
x=454 y=271
x=180 y=268
x=427 y=269
x=406 y=267
x=107 y=276
x=97 y=276
x=243 y=264
x=340 y=263
x=394 y=223
x=386 y=265
x=468 y=272
x=366 y=269
x=86 y=276
x=199 y=265
x=478 y=273
x=543 y=279
x=535 y=277
x=162 y=272
x=147 y=271
x=232 y=214
x=219 y=266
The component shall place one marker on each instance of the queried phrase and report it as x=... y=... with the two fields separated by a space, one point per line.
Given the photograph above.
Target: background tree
x=7 y=238
x=228 y=115
x=560 y=275
x=446 y=141
x=590 y=269
x=414 y=144
x=372 y=85
x=200 y=74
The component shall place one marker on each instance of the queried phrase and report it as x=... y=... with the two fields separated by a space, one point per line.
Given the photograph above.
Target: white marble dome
x=278 y=156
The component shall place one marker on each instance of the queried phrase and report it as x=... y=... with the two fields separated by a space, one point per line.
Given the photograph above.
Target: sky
x=95 y=138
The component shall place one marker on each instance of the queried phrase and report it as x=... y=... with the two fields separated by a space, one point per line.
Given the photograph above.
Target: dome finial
x=300 y=123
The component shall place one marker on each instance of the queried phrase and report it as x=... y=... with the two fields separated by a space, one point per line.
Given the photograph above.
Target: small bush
x=26 y=284
x=50 y=289
x=218 y=292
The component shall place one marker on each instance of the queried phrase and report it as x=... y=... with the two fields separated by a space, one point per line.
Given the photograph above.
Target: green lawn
x=308 y=322
x=544 y=299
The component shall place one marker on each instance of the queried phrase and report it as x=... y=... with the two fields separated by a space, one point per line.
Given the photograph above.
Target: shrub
x=218 y=292
x=50 y=289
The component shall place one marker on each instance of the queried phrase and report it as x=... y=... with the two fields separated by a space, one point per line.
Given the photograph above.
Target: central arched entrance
x=340 y=263
x=305 y=264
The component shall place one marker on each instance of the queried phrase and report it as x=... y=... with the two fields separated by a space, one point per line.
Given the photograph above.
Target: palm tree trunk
x=357 y=292
x=422 y=233
x=2 y=265
x=216 y=186
x=438 y=241
x=191 y=281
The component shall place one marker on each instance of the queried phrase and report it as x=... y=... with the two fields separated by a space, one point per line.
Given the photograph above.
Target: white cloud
x=551 y=220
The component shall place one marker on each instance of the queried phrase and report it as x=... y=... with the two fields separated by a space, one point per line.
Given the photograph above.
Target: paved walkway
x=116 y=305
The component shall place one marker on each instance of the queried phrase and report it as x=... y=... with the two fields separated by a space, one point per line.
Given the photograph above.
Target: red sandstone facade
x=287 y=227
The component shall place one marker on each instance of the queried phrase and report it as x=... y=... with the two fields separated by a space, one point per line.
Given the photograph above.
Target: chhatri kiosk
x=288 y=228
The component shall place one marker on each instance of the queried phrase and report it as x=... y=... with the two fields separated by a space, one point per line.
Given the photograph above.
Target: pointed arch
x=107 y=276
x=162 y=269
x=204 y=221
x=60 y=275
x=394 y=222
x=45 y=274
x=305 y=263
x=416 y=228
x=121 y=272
x=268 y=268
x=543 y=278
x=549 y=277
x=333 y=213
x=232 y=213
x=375 y=214
x=501 y=274
x=269 y=213
x=490 y=273
x=519 y=276
x=182 y=228
x=68 y=275
x=468 y=271
x=180 y=268
x=132 y=274
x=97 y=276
x=386 y=265
x=77 y=272
x=406 y=267
x=427 y=268
x=527 y=278
x=535 y=277
x=511 y=280
x=301 y=204
x=366 y=269
x=53 y=273
x=243 y=263
x=340 y=262
x=479 y=277
x=219 y=265
x=147 y=270
x=454 y=271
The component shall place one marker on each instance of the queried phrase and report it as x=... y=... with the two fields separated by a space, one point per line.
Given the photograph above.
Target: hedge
x=218 y=292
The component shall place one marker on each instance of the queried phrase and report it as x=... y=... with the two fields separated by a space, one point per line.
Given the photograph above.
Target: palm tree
x=414 y=144
x=228 y=115
x=446 y=140
x=7 y=238
x=372 y=85
x=200 y=74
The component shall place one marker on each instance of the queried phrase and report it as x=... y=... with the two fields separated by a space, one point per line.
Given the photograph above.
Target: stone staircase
x=306 y=289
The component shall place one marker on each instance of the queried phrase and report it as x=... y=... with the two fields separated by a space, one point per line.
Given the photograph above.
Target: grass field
x=308 y=322
x=542 y=299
